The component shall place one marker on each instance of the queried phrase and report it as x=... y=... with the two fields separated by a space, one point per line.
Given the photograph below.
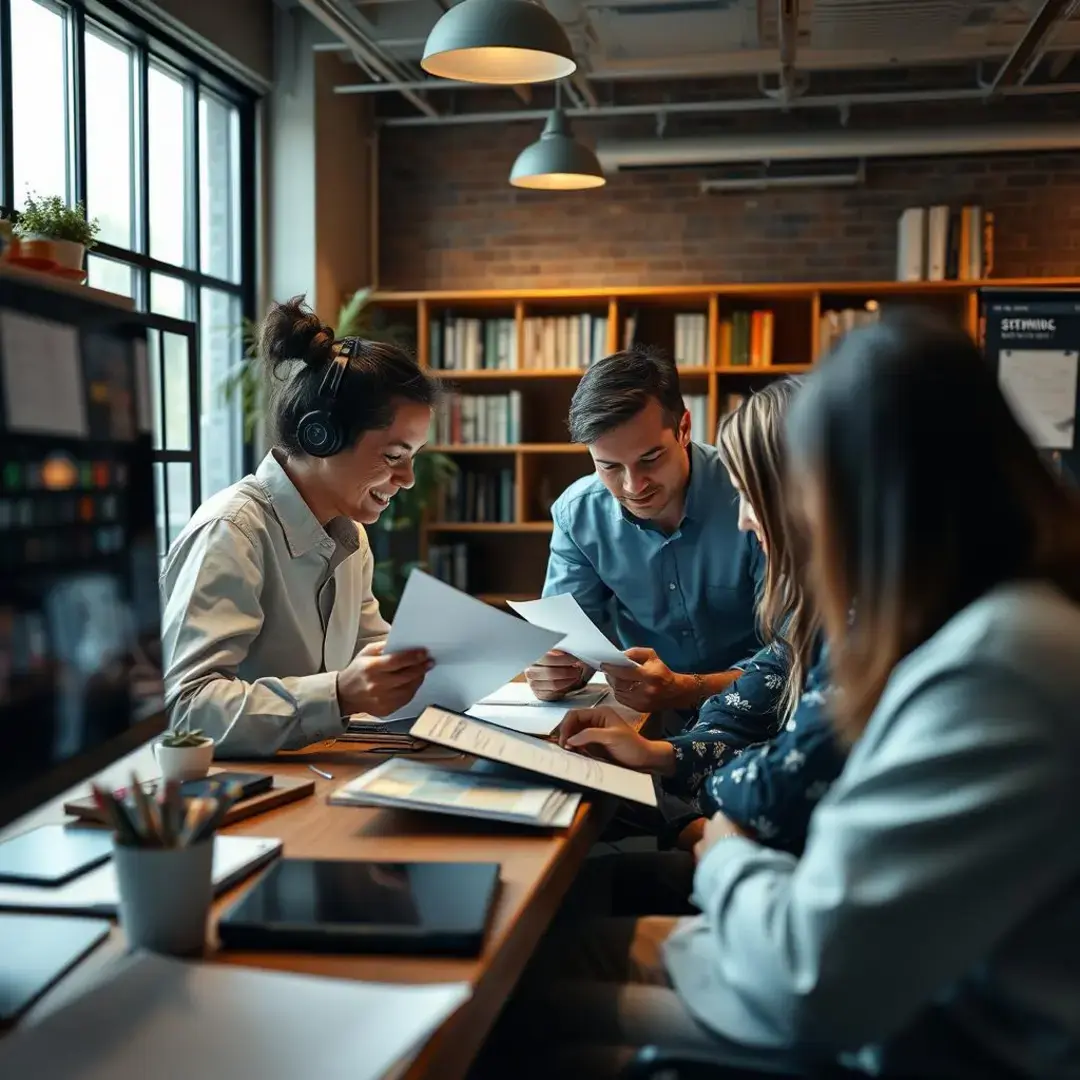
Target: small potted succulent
x=184 y=755
x=53 y=235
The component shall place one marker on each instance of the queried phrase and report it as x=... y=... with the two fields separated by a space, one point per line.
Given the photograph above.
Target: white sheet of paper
x=43 y=376
x=175 y=1021
x=1040 y=385
x=520 y=693
x=547 y=758
x=476 y=648
x=582 y=637
x=516 y=707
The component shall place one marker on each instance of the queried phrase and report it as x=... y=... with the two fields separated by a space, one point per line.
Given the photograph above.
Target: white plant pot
x=184 y=762
x=69 y=254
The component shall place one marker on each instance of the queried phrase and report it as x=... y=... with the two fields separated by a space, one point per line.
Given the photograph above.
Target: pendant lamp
x=557 y=161
x=499 y=42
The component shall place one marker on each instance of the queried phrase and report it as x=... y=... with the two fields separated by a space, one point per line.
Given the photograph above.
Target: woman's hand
x=717 y=828
x=605 y=734
x=380 y=683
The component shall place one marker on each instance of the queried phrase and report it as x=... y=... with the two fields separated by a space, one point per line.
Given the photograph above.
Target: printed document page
x=547 y=758
x=581 y=636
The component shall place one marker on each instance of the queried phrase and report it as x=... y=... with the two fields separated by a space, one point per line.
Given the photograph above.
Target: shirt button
x=671 y=585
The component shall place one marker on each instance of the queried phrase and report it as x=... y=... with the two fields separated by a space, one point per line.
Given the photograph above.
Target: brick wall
x=449 y=218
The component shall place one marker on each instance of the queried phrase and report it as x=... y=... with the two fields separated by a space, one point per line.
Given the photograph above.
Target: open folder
x=476 y=648
x=522 y=752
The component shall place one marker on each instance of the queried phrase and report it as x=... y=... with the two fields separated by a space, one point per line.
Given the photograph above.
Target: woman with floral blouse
x=762 y=751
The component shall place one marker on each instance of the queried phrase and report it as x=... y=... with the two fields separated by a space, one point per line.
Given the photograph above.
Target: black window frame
x=151 y=46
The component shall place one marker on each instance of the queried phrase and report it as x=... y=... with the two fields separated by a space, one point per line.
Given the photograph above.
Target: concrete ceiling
x=660 y=40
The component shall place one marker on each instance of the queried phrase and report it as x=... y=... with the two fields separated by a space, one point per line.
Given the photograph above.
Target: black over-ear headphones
x=320 y=433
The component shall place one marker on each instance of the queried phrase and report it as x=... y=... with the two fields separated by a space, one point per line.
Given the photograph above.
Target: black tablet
x=51 y=855
x=331 y=905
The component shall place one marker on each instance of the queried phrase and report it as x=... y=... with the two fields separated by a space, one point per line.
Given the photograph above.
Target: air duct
x=617 y=154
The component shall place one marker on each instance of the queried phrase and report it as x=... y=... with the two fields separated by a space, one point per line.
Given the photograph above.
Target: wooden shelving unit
x=506 y=558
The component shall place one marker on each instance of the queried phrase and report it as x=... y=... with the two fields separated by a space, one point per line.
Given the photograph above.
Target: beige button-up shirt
x=261 y=607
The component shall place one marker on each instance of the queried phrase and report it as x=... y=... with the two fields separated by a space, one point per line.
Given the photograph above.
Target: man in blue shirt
x=649 y=545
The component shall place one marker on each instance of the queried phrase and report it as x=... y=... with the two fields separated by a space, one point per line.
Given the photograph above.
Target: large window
x=159 y=147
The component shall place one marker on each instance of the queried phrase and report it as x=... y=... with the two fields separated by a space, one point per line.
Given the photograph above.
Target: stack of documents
x=176 y=1021
x=516 y=707
x=414 y=785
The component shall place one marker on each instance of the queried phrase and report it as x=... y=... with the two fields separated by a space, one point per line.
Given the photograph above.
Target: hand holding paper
x=475 y=647
x=580 y=636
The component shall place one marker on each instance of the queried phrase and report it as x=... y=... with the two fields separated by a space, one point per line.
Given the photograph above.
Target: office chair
x=663 y=1063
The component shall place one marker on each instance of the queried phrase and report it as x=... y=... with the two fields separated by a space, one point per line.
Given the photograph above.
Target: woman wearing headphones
x=270 y=629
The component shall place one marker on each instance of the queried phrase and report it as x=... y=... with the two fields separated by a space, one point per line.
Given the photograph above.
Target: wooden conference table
x=536 y=870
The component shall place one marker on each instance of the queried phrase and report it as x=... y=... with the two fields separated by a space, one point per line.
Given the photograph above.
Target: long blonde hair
x=752 y=446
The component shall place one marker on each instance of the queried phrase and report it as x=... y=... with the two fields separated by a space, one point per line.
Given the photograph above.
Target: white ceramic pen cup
x=165 y=896
x=184 y=762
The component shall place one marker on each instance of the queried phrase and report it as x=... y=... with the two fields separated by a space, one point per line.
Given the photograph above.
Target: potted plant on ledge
x=53 y=236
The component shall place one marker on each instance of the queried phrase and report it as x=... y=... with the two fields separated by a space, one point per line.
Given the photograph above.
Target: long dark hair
x=379 y=376
x=752 y=446
x=929 y=494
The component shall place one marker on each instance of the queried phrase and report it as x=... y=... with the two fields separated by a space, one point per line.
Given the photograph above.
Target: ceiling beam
x=367 y=51
x=1032 y=46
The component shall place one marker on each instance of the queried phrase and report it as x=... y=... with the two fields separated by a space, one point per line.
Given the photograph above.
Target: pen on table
x=321 y=772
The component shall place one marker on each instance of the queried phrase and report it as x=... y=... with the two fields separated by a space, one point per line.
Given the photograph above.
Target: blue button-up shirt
x=688 y=594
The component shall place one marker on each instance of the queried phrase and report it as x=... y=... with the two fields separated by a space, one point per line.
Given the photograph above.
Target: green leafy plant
x=50 y=218
x=182 y=740
x=396 y=531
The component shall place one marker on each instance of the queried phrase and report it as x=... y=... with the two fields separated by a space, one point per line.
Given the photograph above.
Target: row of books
x=450 y=563
x=479 y=420
x=746 y=339
x=477 y=496
x=554 y=342
x=469 y=344
x=691 y=337
x=833 y=325
x=939 y=243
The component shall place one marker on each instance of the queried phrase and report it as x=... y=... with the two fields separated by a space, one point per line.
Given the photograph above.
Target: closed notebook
x=415 y=785
x=169 y=1020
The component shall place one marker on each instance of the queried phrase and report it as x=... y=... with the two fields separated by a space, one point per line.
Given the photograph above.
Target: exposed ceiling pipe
x=841 y=145
x=1030 y=49
x=575 y=21
x=788 y=31
x=736 y=105
x=774 y=183
x=340 y=23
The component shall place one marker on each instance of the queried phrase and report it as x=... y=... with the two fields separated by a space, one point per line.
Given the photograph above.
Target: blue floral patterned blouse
x=737 y=759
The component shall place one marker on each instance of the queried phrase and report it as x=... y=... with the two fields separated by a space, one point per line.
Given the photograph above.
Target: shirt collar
x=302 y=529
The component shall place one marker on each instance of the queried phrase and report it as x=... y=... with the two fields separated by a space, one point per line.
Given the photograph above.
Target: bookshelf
x=511 y=360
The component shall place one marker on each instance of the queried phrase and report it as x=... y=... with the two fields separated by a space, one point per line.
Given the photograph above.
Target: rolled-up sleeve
x=210 y=616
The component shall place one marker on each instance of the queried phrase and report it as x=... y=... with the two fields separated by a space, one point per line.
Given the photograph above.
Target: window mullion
x=76 y=94
x=142 y=154
x=7 y=109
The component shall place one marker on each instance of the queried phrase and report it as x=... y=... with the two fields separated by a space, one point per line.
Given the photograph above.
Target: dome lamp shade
x=557 y=161
x=498 y=42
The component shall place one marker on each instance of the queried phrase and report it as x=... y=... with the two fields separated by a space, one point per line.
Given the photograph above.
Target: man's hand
x=603 y=733
x=650 y=686
x=380 y=683
x=557 y=674
x=717 y=828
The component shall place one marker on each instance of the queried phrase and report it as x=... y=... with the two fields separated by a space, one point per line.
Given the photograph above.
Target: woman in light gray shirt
x=270 y=629
x=929 y=930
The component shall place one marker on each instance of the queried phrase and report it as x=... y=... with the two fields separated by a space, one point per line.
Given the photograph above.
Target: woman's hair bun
x=292 y=331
